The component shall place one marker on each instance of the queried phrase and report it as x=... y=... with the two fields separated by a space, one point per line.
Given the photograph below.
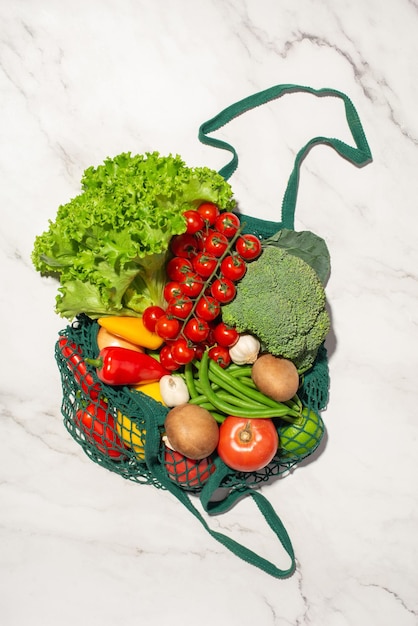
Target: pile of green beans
x=231 y=391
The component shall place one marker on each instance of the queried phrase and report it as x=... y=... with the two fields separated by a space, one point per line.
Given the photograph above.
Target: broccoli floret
x=282 y=301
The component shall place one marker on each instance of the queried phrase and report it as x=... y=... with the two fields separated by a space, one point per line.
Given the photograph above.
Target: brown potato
x=276 y=377
x=192 y=431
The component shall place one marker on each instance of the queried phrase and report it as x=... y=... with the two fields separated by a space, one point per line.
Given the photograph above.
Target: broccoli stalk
x=282 y=301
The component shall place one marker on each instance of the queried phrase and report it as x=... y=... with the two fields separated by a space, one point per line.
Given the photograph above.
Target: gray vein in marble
x=394 y=595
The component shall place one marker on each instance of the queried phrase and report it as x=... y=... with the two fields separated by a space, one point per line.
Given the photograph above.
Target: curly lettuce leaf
x=108 y=246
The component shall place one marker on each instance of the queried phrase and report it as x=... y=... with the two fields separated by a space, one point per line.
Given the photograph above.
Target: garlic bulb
x=173 y=390
x=245 y=350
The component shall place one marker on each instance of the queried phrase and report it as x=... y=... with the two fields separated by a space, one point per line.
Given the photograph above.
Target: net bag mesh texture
x=114 y=425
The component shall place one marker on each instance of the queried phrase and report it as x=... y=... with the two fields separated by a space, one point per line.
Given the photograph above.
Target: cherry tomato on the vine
x=167 y=359
x=216 y=243
x=196 y=330
x=223 y=289
x=150 y=317
x=184 y=245
x=208 y=308
x=225 y=335
x=204 y=264
x=178 y=267
x=172 y=290
x=247 y=445
x=227 y=223
x=182 y=352
x=179 y=306
x=209 y=212
x=167 y=327
x=220 y=354
x=194 y=220
x=192 y=285
x=248 y=247
x=233 y=267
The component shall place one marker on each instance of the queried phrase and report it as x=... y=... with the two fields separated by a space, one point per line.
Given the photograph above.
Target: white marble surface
x=84 y=80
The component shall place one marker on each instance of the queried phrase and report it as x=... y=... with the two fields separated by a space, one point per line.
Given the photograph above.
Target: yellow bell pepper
x=132 y=329
x=129 y=432
x=152 y=390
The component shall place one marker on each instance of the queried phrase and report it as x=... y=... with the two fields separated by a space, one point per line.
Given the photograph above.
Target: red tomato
x=167 y=359
x=225 y=335
x=167 y=327
x=220 y=354
x=99 y=428
x=209 y=212
x=216 y=243
x=184 y=246
x=247 y=445
x=178 y=267
x=150 y=317
x=182 y=352
x=248 y=247
x=208 y=308
x=179 y=306
x=192 y=285
x=223 y=289
x=204 y=264
x=194 y=220
x=196 y=330
x=227 y=224
x=187 y=472
x=233 y=267
x=172 y=290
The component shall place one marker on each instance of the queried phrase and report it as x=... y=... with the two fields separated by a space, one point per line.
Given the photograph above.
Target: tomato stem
x=246 y=434
x=210 y=278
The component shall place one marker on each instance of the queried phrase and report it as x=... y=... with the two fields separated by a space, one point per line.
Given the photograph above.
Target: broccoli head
x=281 y=300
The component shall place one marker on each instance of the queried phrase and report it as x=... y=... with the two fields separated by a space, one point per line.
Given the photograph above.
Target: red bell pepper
x=98 y=425
x=121 y=366
x=77 y=366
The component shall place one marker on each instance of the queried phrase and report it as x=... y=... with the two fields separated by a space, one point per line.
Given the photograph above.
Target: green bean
x=229 y=409
x=190 y=382
x=238 y=371
x=253 y=394
x=236 y=401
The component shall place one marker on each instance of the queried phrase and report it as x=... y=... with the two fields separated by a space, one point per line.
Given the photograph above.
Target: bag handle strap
x=359 y=155
x=156 y=468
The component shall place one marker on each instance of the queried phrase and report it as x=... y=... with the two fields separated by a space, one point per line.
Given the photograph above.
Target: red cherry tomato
x=150 y=317
x=167 y=327
x=177 y=268
x=184 y=245
x=167 y=359
x=208 y=308
x=172 y=290
x=182 y=352
x=204 y=264
x=216 y=243
x=194 y=220
x=220 y=354
x=227 y=224
x=247 y=445
x=192 y=285
x=233 y=267
x=225 y=335
x=209 y=212
x=196 y=330
x=223 y=289
x=187 y=472
x=248 y=247
x=179 y=306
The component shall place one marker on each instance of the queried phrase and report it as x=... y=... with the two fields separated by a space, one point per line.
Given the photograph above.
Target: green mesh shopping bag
x=122 y=429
